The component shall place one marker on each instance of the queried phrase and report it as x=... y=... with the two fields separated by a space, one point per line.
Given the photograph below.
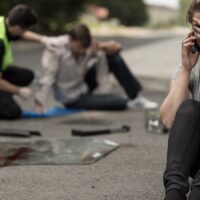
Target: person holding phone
x=180 y=112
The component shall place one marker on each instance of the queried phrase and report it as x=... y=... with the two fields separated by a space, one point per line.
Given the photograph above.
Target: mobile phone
x=195 y=48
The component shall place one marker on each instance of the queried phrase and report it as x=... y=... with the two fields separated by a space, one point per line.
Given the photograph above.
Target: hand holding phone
x=189 y=59
x=196 y=32
x=195 y=48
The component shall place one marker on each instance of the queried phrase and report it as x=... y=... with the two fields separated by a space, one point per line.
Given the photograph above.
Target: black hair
x=23 y=16
x=81 y=32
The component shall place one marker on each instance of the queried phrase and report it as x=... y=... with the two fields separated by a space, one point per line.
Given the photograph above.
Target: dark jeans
x=99 y=102
x=126 y=79
x=9 y=109
x=120 y=70
x=183 y=157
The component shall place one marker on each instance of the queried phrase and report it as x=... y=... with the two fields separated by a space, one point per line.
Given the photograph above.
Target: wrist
x=186 y=70
x=39 y=38
x=43 y=39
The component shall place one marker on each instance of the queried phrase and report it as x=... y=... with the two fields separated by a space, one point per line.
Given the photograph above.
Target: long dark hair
x=194 y=7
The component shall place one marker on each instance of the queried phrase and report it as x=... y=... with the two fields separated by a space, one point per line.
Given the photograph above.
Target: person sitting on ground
x=180 y=112
x=13 y=80
x=76 y=85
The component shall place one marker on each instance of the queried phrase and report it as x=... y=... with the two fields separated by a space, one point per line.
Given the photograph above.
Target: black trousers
x=9 y=109
x=126 y=79
x=183 y=157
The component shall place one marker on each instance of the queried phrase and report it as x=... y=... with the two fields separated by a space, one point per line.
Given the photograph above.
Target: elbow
x=166 y=123
x=165 y=119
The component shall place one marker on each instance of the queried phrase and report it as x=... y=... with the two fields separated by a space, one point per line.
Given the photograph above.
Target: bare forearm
x=32 y=36
x=8 y=87
x=178 y=93
x=179 y=88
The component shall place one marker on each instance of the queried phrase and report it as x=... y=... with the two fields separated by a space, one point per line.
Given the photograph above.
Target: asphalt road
x=132 y=172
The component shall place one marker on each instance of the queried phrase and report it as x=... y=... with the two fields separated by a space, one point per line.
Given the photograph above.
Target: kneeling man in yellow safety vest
x=13 y=80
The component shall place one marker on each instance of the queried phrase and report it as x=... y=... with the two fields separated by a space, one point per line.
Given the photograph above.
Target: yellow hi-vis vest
x=7 y=57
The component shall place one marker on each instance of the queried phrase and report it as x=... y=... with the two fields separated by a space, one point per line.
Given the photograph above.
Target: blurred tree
x=184 y=5
x=53 y=15
x=129 y=12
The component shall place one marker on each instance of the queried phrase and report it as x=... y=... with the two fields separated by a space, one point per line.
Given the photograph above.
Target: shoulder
x=63 y=40
x=59 y=40
x=57 y=44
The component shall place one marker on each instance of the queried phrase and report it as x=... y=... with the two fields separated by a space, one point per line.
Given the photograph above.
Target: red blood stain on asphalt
x=21 y=153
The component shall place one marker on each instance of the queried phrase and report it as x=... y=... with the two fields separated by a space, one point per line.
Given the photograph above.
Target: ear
x=8 y=22
x=18 y=27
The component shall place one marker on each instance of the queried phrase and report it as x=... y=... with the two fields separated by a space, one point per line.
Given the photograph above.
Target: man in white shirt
x=65 y=62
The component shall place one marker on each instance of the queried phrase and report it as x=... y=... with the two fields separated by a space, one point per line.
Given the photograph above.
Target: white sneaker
x=141 y=103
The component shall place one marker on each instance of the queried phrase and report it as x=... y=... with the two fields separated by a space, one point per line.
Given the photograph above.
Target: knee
x=114 y=58
x=189 y=108
x=26 y=77
x=29 y=76
x=101 y=54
